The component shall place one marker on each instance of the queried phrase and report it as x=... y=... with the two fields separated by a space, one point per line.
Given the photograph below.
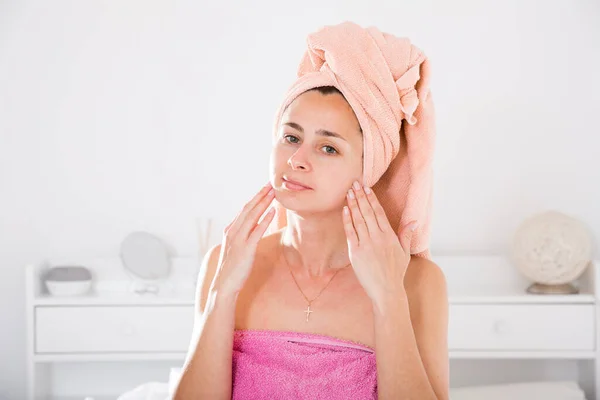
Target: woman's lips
x=294 y=186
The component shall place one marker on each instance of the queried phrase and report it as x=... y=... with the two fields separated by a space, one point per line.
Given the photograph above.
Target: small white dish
x=68 y=288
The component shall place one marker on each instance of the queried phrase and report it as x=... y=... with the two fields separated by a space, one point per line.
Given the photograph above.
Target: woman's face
x=319 y=145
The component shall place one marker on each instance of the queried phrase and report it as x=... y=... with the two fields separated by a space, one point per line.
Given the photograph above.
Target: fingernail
x=356 y=185
x=351 y=193
x=413 y=226
x=367 y=190
x=346 y=211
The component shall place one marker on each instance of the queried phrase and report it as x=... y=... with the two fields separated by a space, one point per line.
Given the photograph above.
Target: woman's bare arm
x=207 y=368
x=206 y=373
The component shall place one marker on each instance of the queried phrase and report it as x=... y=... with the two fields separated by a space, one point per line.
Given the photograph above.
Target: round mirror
x=146 y=258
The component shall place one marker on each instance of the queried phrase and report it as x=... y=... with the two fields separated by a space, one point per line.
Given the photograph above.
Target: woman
x=341 y=300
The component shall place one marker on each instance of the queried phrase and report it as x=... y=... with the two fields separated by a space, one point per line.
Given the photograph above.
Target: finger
x=260 y=229
x=349 y=227
x=406 y=236
x=226 y=229
x=382 y=221
x=251 y=218
x=357 y=219
x=248 y=207
x=365 y=209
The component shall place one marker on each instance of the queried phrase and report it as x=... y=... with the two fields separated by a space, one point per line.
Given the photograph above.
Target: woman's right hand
x=240 y=240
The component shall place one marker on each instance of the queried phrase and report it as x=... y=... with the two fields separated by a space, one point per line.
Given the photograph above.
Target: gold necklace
x=308 y=311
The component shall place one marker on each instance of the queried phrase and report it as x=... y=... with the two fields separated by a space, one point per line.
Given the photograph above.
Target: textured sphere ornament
x=552 y=250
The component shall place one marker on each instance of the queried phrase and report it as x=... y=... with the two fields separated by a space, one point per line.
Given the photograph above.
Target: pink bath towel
x=385 y=79
x=272 y=365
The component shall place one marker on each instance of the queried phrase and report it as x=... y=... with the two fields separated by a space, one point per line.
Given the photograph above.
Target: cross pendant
x=308 y=311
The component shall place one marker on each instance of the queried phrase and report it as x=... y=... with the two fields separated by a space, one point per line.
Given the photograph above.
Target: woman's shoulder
x=424 y=275
x=426 y=288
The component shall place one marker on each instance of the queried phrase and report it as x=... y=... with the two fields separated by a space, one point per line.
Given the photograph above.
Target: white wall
x=116 y=116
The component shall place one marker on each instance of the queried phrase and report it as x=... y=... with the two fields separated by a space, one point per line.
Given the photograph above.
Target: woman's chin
x=291 y=202
x=304 y=208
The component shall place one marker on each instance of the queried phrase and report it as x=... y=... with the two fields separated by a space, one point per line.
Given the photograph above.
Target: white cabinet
x=112 y=329
x=522 y=327
x=78 y=346
x=491 y=319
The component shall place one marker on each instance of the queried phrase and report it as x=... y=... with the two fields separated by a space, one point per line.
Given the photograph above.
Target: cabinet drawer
x=113 y=329
x=521 y=327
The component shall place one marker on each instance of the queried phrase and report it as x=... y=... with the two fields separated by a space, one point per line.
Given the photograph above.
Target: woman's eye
x=330 y=150
x=290 y=138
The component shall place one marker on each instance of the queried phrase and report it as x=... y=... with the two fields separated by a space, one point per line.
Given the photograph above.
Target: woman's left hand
x=378 y=257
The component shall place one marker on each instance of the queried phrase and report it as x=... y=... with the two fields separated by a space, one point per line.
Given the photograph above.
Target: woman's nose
x=299 y=160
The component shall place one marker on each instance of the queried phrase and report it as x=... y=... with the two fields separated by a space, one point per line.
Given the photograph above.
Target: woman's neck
x=316 y=245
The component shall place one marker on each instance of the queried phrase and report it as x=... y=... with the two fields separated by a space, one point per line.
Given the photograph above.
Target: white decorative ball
x=552 y=248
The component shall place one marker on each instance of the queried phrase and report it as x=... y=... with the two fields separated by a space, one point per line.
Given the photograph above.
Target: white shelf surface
x=120 y=299
x=516 y=297
x=65 y=358
x=522 y=355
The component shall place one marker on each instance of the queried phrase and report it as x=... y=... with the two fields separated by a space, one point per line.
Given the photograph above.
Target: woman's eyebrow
x=321 y=132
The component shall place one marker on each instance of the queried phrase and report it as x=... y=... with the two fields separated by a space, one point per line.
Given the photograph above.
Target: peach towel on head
x=385 y=79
